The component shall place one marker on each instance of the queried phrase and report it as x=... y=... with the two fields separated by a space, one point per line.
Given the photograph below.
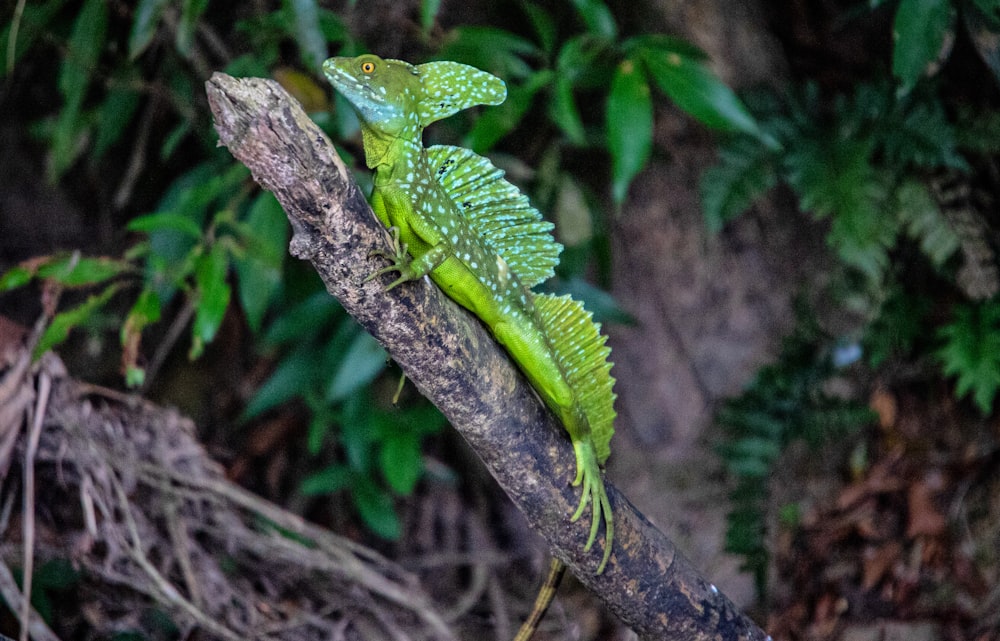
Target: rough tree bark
x=453 y=360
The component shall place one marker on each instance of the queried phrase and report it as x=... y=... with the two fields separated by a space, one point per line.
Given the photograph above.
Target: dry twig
x=158 y=522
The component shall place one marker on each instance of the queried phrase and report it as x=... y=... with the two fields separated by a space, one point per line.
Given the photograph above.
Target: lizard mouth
x=357 y=91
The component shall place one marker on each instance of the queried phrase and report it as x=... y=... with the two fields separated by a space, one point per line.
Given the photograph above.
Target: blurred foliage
x=891 y=168
x=594 y=66
x=787 y=401
x=48 y=583
x=887 y=166
x=970 y=351
x=890 y=165
x=884 y=168
x=212 y=239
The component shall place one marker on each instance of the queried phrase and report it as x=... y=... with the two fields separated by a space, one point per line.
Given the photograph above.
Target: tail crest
x=583 y=356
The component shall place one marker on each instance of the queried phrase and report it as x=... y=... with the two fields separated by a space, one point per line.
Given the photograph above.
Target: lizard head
x=392 y=95
x=383 y=92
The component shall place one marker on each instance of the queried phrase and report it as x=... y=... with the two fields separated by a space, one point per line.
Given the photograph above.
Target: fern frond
x=899 y=323
x=785 y=402
x=917 y=132
x=978 y=131
x=924 y=222
x=745 y=172
x=971 y=352
x=978 y=276
x=835 y=178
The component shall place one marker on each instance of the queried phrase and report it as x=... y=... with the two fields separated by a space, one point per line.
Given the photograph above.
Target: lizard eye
x=368 y=67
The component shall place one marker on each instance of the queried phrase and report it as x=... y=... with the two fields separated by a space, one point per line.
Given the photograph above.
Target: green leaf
x=144 y=312
x=421 y=420
x=212 y=297
x=749 y=467
x=333 y=28
x=361 y=430
x=82 y=55
x=597 y=17
x=916 y=131
x=662 y=43
x=401 y=462
x=323 y=420
x=295 y=373
x=428 y=14
x=84 y=49
x=330 y=479
x=563 y=112
x=68 y=136
x=543 y=24
x=753 y=449
x=497 y=122
x=56 y=574
x=971 y=352
x=304 y=321
x=75 y=272
x=191 y=11
x=699 y=92
x=20 y=35
x=175 y=138
x=308 y=34
x=114 y=116
x=17 y=276
x=494 y=50
x=359 y=365
x=919 y=31
x=629 y=126
x=583 y=62
x=165 y=221
x=258 y=270
x=144 y=24
x=376 y=509
x=58 y=330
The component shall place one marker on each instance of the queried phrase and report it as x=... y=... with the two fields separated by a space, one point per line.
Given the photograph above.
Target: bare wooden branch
x=453 y=360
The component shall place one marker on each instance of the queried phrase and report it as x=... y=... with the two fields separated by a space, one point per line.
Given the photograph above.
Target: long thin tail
x=544 y=599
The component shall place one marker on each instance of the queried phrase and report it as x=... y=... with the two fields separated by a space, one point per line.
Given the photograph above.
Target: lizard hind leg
x=579 y=348
x=588 y=477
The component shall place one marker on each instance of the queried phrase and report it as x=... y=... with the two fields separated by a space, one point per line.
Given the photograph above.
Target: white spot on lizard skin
x=503 y=271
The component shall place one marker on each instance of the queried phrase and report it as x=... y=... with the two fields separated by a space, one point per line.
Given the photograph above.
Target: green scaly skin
x=435 y=234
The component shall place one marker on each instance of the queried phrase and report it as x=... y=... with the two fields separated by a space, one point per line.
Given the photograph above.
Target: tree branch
x=453 y=360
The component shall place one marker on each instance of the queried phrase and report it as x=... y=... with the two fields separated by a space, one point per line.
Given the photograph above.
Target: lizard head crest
x=392 y=96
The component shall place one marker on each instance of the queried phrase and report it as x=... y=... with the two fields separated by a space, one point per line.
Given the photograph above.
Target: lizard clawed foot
x=400 y=261
x=588 y=474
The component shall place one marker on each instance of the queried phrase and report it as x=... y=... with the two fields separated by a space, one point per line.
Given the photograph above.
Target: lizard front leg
x=409 y=268
x=416 y=245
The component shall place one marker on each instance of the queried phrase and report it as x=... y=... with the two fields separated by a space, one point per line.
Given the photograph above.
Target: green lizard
x=454 y=217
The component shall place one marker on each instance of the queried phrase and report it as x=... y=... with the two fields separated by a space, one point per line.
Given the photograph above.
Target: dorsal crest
x=450 y=87
x=499 y=213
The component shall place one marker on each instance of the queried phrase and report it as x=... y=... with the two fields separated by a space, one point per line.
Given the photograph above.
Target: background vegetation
x=896 y=163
